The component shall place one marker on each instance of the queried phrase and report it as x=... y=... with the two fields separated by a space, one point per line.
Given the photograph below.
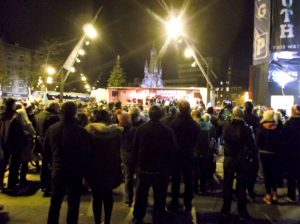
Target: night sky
x=220 y=28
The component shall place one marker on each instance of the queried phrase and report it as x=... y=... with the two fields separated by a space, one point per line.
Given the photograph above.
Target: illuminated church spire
x=152 y=71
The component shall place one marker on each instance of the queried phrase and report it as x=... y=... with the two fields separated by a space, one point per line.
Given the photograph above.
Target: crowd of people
x=101 y=145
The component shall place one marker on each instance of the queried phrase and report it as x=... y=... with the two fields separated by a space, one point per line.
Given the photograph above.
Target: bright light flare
x=83 y=78
x=50 y=70
x=81 y=52
x=72 y=70
x=90 y=31
x=188 y=52
x=87 y=86
x=49 y=80
x=174 y=27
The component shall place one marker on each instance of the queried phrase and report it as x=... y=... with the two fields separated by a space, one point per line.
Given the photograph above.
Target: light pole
x=174 y=27
x=89 y=32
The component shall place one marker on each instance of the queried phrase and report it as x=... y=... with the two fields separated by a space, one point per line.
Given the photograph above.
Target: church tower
x=152 y=71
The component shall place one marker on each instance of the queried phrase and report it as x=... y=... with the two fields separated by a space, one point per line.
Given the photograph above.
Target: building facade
x=15 y=64
x=153 y=72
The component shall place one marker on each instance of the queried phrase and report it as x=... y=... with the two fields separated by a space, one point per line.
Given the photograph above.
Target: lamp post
x=174 y=27
x=89 y=32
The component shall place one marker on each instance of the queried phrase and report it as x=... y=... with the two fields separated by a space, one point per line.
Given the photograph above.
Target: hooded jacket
x=104 y=160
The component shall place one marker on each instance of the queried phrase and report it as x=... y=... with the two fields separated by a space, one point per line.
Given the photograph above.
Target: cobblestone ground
x=32 y=208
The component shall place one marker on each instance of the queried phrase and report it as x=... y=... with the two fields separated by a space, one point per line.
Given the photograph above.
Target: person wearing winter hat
x=291 y=135
x=268 y=141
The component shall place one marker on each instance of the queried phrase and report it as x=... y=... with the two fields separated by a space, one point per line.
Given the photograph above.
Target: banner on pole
x=285 y=25
x=261 y=44
x=285 y=45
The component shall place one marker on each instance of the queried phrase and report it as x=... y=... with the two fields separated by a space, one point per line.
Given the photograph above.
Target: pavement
x=30 y=207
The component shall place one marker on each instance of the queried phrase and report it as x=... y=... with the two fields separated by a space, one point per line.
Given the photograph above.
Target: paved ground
x=32 y=209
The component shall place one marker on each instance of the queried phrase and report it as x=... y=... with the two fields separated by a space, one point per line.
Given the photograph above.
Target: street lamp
x=50 y=70
x=175 y=31
x=89 y=32
x=188 y=52
x=174 y=27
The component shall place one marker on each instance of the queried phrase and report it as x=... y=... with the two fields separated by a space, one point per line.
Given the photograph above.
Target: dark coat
x=12 y=133
x=186 y=132
x=154 y=147
x=269 y=138
x=239 y=140
x=252 y=120
x=66 y=145
x=127 y=141
x=291 y=137
x=43 y=121
x=104 y=161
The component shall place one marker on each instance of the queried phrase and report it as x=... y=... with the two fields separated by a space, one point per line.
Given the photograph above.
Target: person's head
x=277 y=116
x=10 y=104
x=238 y=113
x=249 y=106
x=173 y=111
x=184 y=107
x=124 y=119
x=118 y=105
x=134 y=113
x=210 y=110
x=68 y=111
x=54 y=107
x=102 y=116
x=206 y=117
x=82 y=119
x=268 y=116
x=155 y=113
x=196 y=115
x=295 y=110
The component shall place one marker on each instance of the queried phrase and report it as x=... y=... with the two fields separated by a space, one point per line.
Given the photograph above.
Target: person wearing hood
x=12 y=143
x=104 y=164
x=268 y=142
x=291 y=136
x=239 y=151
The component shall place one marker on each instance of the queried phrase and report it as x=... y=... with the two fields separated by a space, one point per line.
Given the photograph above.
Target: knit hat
x=238 y=113
x=268 y=116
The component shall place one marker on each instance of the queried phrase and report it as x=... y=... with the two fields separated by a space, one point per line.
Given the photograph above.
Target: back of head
x=173 y=111
x=238 y=113
x=155 y=113
x=206 y=117
x=10 y=104
x=68 y=111
x=134 y=111
x=295 y=110
x=249 y=106
x=268 y=116
x=103 y=117
x=210 y=110
x=54 y=106
x=123 y=118
x=184 y=107
x=196 y=114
